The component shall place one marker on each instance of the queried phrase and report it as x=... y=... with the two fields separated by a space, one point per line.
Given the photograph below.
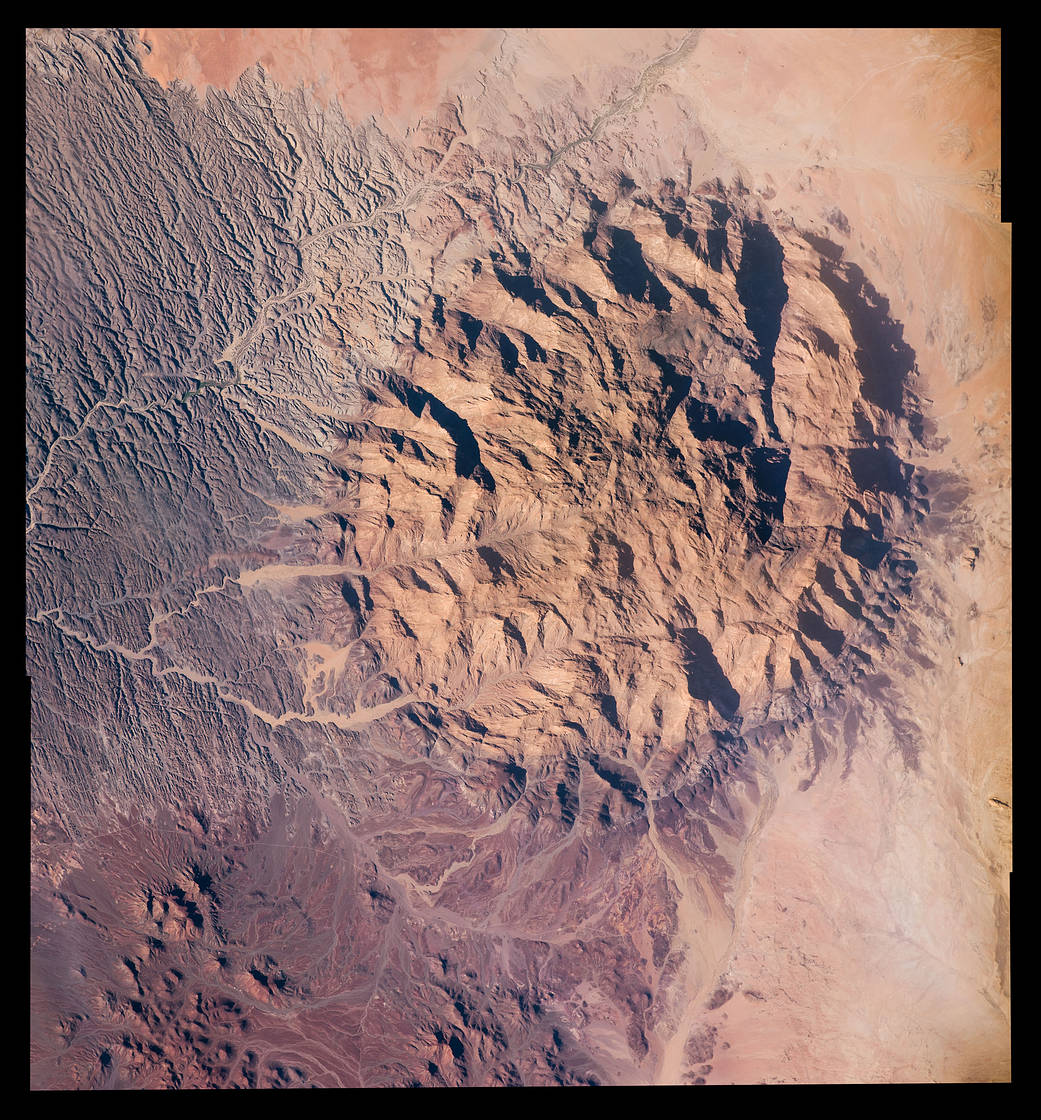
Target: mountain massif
x=518 y=571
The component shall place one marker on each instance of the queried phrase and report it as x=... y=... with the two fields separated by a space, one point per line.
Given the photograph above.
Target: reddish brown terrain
x=518 y=557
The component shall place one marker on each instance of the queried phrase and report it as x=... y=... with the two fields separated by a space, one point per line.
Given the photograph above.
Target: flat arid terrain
x=518 y=561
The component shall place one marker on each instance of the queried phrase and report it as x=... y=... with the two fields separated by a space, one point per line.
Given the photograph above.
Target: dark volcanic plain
x=518 y=558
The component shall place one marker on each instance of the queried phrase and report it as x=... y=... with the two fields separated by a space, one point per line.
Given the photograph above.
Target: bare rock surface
x=518 y=557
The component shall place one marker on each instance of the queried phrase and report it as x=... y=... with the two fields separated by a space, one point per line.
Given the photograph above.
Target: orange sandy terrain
x=396 y=73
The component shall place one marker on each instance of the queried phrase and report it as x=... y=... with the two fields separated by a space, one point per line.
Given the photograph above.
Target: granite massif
x=518 y=576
